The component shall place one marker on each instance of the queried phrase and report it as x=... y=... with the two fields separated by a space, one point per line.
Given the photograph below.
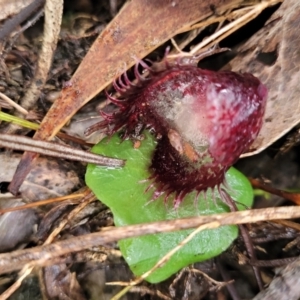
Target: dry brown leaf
x=279 y=37
x=140 y=27
x=47 y=179
x=60 y=283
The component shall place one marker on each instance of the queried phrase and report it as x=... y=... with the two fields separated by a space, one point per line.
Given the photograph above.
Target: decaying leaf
x=50 y=178
x=278 y=39
x=47 y=179
x=60 y=283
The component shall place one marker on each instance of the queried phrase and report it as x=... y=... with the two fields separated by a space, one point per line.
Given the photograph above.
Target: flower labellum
x=204 y=120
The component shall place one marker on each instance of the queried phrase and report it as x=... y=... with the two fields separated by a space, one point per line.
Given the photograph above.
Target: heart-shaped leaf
x=123 y=191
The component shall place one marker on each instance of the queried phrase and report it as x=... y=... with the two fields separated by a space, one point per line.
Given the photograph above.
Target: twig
x=272 y=263
x=45 y=254
x=18 y=142
x=145 y=290
x=294 y=197
x=40 y=203
x=22 y=275
x=14 y=104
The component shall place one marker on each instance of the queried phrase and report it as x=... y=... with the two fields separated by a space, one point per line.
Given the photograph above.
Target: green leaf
x=123 y=191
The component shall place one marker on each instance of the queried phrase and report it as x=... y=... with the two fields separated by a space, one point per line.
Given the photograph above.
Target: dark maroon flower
x=204 y=120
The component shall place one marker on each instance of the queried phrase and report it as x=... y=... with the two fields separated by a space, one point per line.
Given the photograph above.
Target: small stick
x=18 y=142
x=14 y=104
x=294 y=197
x=42 y=255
